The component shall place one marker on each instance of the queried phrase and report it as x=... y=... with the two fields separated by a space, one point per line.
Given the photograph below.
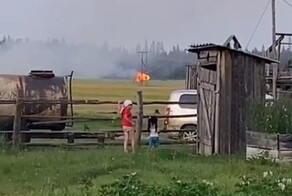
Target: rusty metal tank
x=36 y=85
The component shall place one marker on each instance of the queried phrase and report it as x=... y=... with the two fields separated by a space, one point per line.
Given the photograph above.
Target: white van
x=188 y=123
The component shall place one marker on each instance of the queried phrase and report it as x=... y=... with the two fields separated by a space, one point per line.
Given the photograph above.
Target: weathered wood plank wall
x=243 y=81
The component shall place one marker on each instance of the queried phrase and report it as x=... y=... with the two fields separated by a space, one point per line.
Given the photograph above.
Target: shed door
x=206 y=106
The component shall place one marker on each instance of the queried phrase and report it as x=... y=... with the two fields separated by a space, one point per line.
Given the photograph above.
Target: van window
x=187 y=98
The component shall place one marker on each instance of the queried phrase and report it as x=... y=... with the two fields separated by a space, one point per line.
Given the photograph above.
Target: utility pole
x=289 y=47
x=143 y=64
x=274 y=53
x=274 y=29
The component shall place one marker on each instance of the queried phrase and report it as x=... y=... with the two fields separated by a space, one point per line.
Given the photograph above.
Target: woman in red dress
x=127 y=124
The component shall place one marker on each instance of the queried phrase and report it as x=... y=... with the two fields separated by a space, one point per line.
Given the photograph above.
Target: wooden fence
x=20 y=102
x=281 y=143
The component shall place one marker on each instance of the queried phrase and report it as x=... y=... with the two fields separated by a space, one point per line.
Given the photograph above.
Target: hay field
x=106 y=90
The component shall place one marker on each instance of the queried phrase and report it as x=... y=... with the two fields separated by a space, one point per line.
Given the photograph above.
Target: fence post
x=139 y=122
x=278 y=146
x=275 y=77
x=16 y=137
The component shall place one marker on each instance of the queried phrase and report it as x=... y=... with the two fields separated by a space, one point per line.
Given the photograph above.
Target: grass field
x=117 y=91
x=54 y=172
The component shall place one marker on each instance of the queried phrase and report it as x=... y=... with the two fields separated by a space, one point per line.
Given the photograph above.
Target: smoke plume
x=87 y=61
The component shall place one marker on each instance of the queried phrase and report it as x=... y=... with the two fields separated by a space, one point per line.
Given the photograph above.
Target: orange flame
x=142 y=77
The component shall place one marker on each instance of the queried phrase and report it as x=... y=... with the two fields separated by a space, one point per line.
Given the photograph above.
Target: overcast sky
x=127 y=22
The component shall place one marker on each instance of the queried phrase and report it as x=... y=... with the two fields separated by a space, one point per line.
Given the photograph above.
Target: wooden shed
x=227 y=79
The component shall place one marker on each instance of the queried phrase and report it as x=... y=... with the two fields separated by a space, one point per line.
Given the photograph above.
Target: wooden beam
x=273 y=2
x=84 y=134
x=270 y=49
x=284 y=34
x=286 y=43
x=207 y=86
x=279 y=52
x=94 y=118
x=275 y=76
x=278 y=146
x=76 y=145
x=205 y=113
x=139 y=121
x=217 y=100
x=86 y=102
x=16 y=137
x=70 y=138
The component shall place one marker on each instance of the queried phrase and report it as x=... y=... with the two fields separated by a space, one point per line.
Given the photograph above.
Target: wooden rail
x=139 y=123
x=88 y=102
x=282 y=143
x=87 y=145
x=95 y=132
x=103 y=118
x=100 y=136
x=16 y=137
x=97 y=118
x=90 y=119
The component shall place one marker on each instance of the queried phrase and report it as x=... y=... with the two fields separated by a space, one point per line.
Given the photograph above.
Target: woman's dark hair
x=152 y=121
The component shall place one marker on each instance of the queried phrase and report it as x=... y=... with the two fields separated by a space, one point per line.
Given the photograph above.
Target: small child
x=153 y=130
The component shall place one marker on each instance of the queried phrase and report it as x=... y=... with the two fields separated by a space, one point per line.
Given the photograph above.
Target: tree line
x=103 y=61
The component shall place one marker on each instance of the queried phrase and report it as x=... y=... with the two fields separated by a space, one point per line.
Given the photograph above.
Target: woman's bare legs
x=126 y=139
x=132 y=137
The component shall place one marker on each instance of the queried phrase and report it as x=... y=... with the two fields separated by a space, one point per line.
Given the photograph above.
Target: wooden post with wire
x=16 y=137
x=275 y=77
x=139 y=122
x=274 y=27
x=274 y=52
x=278 y=146
x=143 y=65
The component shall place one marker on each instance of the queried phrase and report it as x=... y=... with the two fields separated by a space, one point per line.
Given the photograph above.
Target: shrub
x=262 y=159
x=4 y=146
x=265 y=185
x=271 y=117
x=129 y=185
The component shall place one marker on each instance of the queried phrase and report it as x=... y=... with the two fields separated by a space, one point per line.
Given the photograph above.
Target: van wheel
x=190 y=136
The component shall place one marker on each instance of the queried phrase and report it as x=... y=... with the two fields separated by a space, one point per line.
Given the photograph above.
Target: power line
x=288 y=3
x=258 y=24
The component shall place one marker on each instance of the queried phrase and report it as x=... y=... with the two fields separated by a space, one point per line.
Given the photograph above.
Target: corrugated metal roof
x=210 y=46
x=202 y=45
